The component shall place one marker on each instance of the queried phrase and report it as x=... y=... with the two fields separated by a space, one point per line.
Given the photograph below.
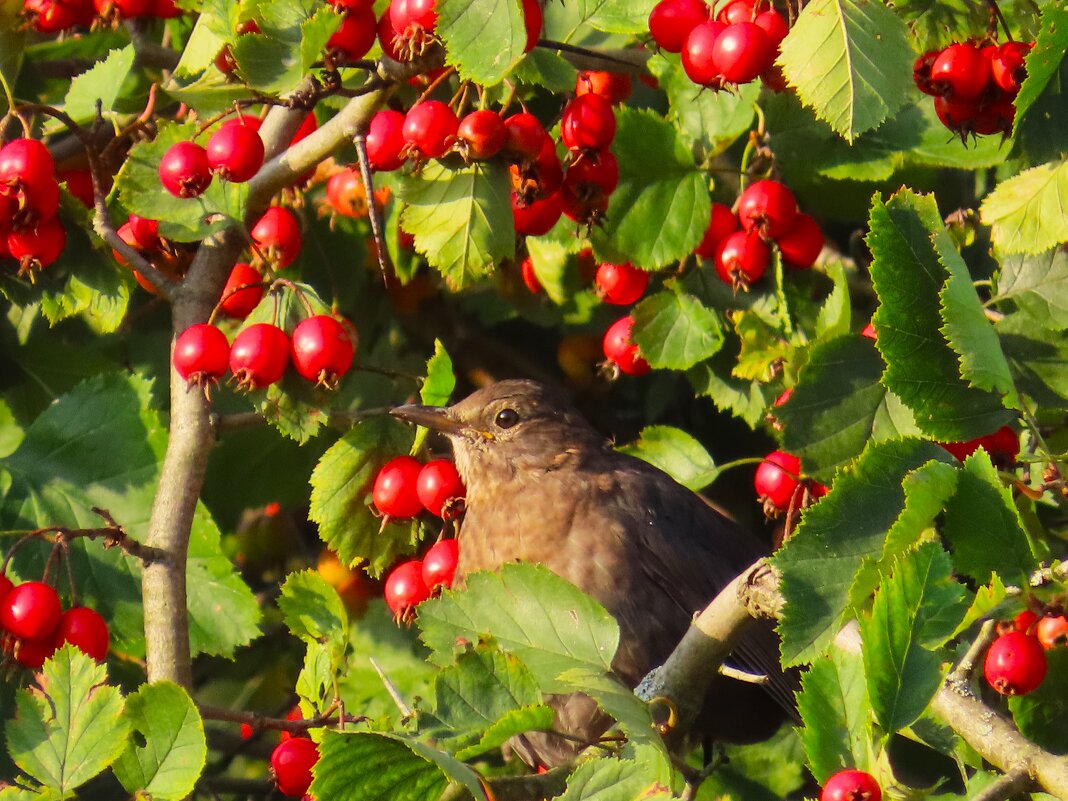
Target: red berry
x=242 y=293
x=961 y=71
x=1052 y=632
x=994 y=117
x=439 y=564
x=235 y=152
x=621 y=351
x=291 y=763
x=201 y=354
x=407 y=15
x=530 y=277
x=162 y=9
x=30 y=611
x=40 y=246
x=246 y=731
x=124 y=9
x=80 y=184
x=32 y=654
x=802 y=243
x=777 y=479
x=346 y=194
x=1024 y=622
x=385 y=140
x=1015 y=663
x=526 y=136
x=184 y=170
x=24 y=163
x=483 y=134
x=742 y=259
x=741 y=11
x=405 y=588
x=697 y=60
x=438 y=483
x=395 y=492
x=621 y=284
x=388 y=38
x=145 y=233
x=430 y=128
x=537 y=218
x=773 y=24
x=588 y=123
x=322 y=349
x=259 y=355
x=1007 y=65
x=767 y=207
x=86 y=630
x=671 y=21
x=721 y=224
x=594 y=174
x=533 y=20
x=921 y=72
x=615 y=87
x=356 y=34
x=742 y=52
x=1003 y=442
x=6 y=585
x=957 y=115
x=277 y=235
x=851 y=785
x=49 y=16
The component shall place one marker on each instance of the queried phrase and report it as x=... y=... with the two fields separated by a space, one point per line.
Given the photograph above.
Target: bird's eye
x=506 y=418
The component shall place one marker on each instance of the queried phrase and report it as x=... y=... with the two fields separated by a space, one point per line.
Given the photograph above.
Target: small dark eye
x=506 y=418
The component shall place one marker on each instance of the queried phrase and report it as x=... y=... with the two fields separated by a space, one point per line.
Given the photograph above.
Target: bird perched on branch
x=544 y=486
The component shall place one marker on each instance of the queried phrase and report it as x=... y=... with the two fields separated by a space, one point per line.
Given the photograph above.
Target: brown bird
x=544 y=486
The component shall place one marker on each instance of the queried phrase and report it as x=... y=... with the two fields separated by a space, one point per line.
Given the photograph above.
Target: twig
x=374 y=212
x=964 y=673
x=405 y=710
x=1016 y=781
x=631 y=60
x=260 y=722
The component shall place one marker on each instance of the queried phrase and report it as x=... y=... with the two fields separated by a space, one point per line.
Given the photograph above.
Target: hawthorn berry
x=721 y=224
x=291 y=764
x=1015 y=663
x=277 y=235
x=395 y=492
x=145 y=232
x=259 y=355
x=621 y=284
x=697 y=60
x=6 y=585
x=184 y=170
x=541 y=176
x=405 y=589
x=201 y=354
x=538 y=217
x=671 y=21
x=356 y=34
x=851 y=785
x=767 y=207
x=235 y=152
x=482 y=135
x=32 y=654
x=414 y=22
x=86 y=630
x=1052 y=631
x=742 y=52
x=430 y=128
x=588 y=123
x=525 y=136
x=385 y=140
x=615 y=87
x=37 y=247
x=533 y=20
x=1007 y=66
x=321 y=349
x=529 y=276
x=24 y=164
x=242 y=292
x=741 y=11
x=79 y=183
x=439 y=564
x=960 y=71
x=773 y=24
x=30 y=611
x=49 y=16
x=437 y=484
x=777 y=479
x=345 y=193
x=1025 y=622
x=801 y=245
x=742 y=259
x=621 y=351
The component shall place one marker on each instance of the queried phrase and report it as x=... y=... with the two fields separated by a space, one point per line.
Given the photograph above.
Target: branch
x=1016 y=781
x=260 y=722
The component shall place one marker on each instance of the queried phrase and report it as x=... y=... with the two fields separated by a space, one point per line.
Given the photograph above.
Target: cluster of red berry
x=974 y=87
x=54 y=16
x=321 y=349
x=412 y=582
x=736 y=47
x=234 y=153
x=35 y=624
x=30 y=231
x=1015 y=663
x=739 y=244
x=404 y=487
x=779 y=484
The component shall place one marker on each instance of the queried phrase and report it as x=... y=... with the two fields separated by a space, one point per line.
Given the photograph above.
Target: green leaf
x=661 y=208
x=210 y=93
x=836 y=713
x=983 y=526
x=745 y=399
x=835 y=315
x=986 y=599
x=312 y=609
x=647 y=776
x=69 y=726
x=676 y=453
x=1024 y=211
x=99 y=84
x=850 y=61
x=167 y=766
x=927 y=489
x=483 y=39
x=1044 y=60
x=1038 y=285
x=837 y=406
x=533 y=613
x=674 y=330
x=915 y=611
x=821 y=561
x=341 y=493
x=767 y=771
x=563 y=22
x=543 y=68
x=437 y=388
x=292 y=39
x=12 y=44
x=461 y=218
x=1040 y=714
x=1038 y=358
x=92 y=288
x=618 y=700
x=921 y=368
x=317 y=681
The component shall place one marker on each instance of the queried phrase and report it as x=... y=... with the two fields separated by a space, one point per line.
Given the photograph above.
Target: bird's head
x=507 y=426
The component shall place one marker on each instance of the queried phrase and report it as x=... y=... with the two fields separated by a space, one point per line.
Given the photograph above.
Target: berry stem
x=448 y=73
x=997 y=16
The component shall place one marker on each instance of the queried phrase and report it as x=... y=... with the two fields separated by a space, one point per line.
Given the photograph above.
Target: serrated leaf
x=544 y=68
x=69 y=725
x=835 y=315
x=983 y=526
x=744 y=399
x=210 y=93
x=837 y=406
x=927 y=488
x=312 y=610
x=168 y=764
x=1025 y=211
x=921 y=368
x=676 y=453
x=436 y=388
x=564 y=22
x=821 y=561
x=647 y=776
x=660 y=210
x=767 y=771
x=1038 y=285
x=1044 y=60
x=510 y=724
x=292 y=39
x=92 y=288
x=461 y=218
x=834 y=707
x=1038 y=358
x=1040 y=713
x=341 y=493
x=618 y=700
x=483 y=39
x=850 y=61
x=674 y=330
x=986 y=598
x=317 y=681
x=99 y=84
x=915 y=611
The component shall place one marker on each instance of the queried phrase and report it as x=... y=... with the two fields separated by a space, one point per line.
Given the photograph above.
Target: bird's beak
x=436 y=418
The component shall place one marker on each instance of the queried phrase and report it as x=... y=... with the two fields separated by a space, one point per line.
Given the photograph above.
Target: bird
x=544 y=486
